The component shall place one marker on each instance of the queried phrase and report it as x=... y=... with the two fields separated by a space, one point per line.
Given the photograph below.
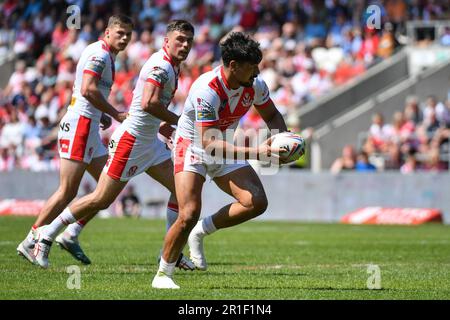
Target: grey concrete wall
x=344 y=128
x=386 y=73
x=6 y=69
x=293 y=195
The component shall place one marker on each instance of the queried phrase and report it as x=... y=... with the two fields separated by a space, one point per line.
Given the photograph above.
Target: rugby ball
x=292 y=142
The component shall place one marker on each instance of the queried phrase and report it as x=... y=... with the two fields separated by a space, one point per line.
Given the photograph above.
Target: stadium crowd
x=310 y=47
x=416 y=139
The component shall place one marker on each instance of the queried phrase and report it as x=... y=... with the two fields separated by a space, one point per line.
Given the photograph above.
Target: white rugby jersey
x=98 y=61
x=211 y=102
x=161 y=71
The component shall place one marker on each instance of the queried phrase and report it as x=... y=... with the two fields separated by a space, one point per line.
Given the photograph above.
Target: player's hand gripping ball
x=292 y=143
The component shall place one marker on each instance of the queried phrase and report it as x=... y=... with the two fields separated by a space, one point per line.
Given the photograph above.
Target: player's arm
x=272 y=117
x=152 y=103
x=91 y=92
x=266 y=108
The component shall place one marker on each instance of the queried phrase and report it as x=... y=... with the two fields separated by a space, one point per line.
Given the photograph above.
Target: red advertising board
x=20 y=207
x=380 y=215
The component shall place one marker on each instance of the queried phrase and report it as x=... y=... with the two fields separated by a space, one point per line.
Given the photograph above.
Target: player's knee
x=66 y=194
x=187 y=223
x=259 y=205
x=188 y=216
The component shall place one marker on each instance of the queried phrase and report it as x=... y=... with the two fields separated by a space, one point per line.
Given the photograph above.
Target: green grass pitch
x=256 y=260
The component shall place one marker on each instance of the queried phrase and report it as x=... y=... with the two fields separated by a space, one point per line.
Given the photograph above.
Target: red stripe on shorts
x=172 y=206
x=180 y=153
x=81 y=138
x=121 y=155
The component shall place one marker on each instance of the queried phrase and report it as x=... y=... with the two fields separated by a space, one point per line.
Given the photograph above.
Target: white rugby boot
x=163 y=281
x=42 y=250
x=26 y=247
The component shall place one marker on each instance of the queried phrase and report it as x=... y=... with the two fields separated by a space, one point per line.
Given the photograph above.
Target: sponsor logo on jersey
x=96 y=64
x=204 y=110
x=132 y=171
x=266 y=93
x=64 y=145
x=159 y=75
x=65 y=126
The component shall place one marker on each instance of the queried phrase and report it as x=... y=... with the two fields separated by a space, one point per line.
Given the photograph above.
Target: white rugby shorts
x=129 y=156
x=79 y=138
x=186 y=159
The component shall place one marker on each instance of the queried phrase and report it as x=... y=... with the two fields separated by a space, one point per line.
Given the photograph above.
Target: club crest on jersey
x=247 y=100
x=204 y=110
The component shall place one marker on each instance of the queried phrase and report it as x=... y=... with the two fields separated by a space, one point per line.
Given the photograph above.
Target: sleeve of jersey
x=158 y=76
x=206 y=106
x=262 y=96
x=95 y=65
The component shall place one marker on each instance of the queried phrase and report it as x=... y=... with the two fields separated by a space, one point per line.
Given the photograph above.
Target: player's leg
x=245 y=186
x=188 y=190
x=105 y=193
x=71 y=172
x=68 y=240
x=163 y=173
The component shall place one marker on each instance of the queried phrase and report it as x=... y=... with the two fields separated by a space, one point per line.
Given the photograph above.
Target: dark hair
x=180 y=25
x=120 y=19
x=241 y=48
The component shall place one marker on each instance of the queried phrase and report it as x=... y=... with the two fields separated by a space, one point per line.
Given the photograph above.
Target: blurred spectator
x=434 y=162
x=412 y=111
x=12 y=132
x=435 y=108
x=129 y=205
x=363 y=164
x=445 y=39
x=378 y=131
x=23 y=44
x=7 y=37
x=387 y=43
x=7 y=159
x=346 y=162
x=410 y=164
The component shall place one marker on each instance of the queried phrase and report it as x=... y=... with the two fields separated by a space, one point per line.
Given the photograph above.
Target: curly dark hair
x=241 y=48
x=180 y=25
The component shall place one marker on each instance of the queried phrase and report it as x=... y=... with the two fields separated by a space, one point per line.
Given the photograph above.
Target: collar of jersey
x=224 y=79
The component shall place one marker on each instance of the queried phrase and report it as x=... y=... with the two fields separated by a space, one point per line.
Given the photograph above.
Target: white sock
x=166 y=268
x=64 y=219
x=171 y=216
x=208 y=226
x=74 y=229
